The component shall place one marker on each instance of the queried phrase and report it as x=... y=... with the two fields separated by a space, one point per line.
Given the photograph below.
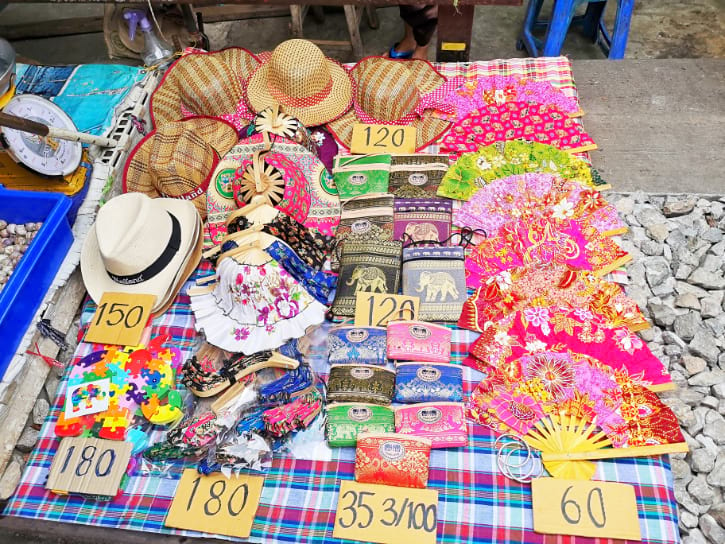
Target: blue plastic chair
x=562 y=18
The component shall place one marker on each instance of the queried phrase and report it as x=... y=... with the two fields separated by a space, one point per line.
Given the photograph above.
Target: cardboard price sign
x=585 y=508
x=386 y=514
x=120 y=319
x=376 y=309
x=382 y=139
x=215 y=503
x=89 y=465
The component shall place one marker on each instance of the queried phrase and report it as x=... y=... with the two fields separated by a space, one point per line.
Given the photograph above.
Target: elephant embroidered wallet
x=357 y=175
x=428 y=382
x=421 y=220
x=443 y=423
x=368 y=217
x=419 y=341
x=345 y=420
x=416 y=176
x=359 y=345
x=371 y=266
x=360 y=383
x=437 y=275
x=392 y=459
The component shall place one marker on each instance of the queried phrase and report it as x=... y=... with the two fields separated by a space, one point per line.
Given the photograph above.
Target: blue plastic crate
x=30 y=280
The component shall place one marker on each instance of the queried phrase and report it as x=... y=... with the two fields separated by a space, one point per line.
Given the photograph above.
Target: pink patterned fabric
x=542 y=240
x=561 y=329
x=513 y=121
x=531 y=195
x=495 y=90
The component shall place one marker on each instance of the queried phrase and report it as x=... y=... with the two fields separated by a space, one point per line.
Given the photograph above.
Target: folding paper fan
x=513 y=121
x=550 y=285
x=559 y=329
x=496 y=90
x=474 y=170
x=533 y=194
x=557 y=401
x=542 y=240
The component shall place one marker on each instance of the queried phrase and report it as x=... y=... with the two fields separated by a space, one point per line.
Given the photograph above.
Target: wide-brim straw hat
x=140 y=245
x=207 y=84
x=389 y=90
x=177 y=159
x=303 y=82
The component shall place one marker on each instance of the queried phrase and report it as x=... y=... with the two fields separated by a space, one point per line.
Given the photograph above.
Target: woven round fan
x=567 y=434
x=261 y=179
x=273 y=122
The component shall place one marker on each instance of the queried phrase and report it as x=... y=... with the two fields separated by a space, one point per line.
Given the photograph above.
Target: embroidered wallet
x=360 y=383
x=416 y=176
x=345 y=420
x=443 y=423
x=392 y=459
x=428 y=382
x=359 y=345
x=438 y=276
x=419 y=341
x=422 y=220
x=357 y=175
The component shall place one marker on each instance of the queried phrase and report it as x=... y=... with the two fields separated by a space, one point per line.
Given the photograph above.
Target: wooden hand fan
x=257 y=211
x=568 y=443
x=261 y=179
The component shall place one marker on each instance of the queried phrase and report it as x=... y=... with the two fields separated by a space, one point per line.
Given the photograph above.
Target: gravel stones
x=678 y=279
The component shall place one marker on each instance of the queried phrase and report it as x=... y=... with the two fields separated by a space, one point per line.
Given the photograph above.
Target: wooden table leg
x=454 y=33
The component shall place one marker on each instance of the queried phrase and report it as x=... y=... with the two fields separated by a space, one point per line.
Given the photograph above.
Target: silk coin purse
x=443 y=423
x=358 y=345
x=428 y=382
x=360 y=383
x=422 y=220
x=357 y=175
x=419 y=341
x=392 y=459
x=438 y=276
x=371 y=266
x=346 y=420
x=416 y=176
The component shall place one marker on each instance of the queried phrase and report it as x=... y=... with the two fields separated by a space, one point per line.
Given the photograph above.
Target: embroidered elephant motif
x=439 y=285
x=422 y=231
x=368 y=278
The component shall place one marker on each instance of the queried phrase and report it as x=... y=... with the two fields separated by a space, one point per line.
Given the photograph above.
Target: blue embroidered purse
x=428 y=382
x=359 y=345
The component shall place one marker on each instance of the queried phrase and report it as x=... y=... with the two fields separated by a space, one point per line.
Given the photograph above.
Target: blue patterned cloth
x=318 y=284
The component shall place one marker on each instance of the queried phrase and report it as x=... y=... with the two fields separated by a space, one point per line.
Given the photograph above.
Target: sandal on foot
x=400 y=55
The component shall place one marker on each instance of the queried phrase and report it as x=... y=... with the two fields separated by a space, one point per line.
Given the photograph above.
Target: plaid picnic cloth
x=299 y=499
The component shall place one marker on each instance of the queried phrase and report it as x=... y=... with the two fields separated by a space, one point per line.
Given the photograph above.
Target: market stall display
x=257 y=359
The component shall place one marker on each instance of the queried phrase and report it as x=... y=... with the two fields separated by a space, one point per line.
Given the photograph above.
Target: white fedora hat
x=141 y=245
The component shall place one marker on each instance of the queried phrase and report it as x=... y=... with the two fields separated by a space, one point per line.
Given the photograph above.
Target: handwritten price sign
x=375 y=310
x=382 y=139
x=215 y=503
x=89 y=465
x=385 y=514
x=120 y=319
x=585 y=508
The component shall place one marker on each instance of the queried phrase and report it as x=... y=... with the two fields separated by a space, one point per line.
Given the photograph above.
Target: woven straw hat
x=303 y=82
x=177 y=159
x=210 y=84
x=141 y=245
x=388 y=91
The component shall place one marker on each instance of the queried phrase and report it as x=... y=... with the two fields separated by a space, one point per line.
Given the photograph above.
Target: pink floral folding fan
x=550 y=285
x=513 y=121
x=543 y=240
x=530 y=195
x=541 y=328
x=496 y=90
